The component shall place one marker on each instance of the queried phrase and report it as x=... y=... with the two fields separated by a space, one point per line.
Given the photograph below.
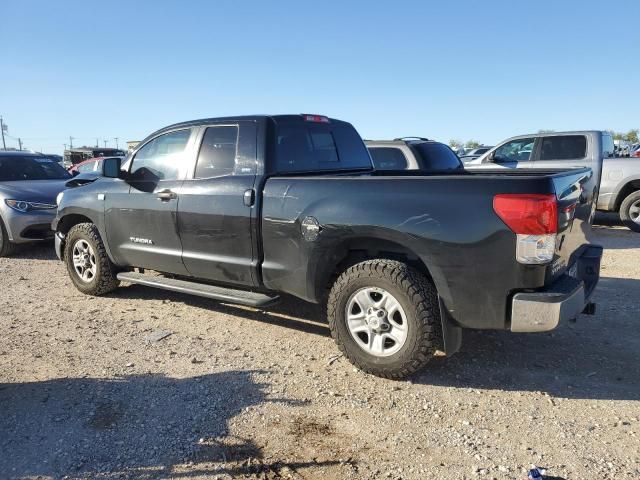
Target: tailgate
x=575 y=210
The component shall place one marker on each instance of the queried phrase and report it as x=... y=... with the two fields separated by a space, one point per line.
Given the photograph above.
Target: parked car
x=244 y=209
x=91 y=165
x=29 y=184
x=635 y=151
x=474 y=153
x=412 y=154
x=616 y=186
x=622 y=148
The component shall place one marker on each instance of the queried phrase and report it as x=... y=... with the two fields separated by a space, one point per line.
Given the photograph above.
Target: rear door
x=572 y=151
x=217 y=205
x=141 y=213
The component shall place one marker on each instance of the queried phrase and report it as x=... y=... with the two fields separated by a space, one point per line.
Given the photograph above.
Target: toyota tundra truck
x=245 y=209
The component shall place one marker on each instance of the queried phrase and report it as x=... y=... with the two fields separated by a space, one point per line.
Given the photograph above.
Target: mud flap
x=451 y=334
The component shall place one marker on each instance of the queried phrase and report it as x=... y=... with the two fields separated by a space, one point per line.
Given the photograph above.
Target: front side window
x=514 y=151
x=162 y=158
x=563 y=147
x=388 y=158
x=217 y=156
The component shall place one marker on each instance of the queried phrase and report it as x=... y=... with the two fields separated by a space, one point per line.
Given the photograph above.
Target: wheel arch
x=361 y=248
x=627 y=189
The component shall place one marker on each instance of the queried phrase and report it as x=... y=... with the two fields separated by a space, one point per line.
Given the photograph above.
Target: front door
x=216 y=213
x=141 y=218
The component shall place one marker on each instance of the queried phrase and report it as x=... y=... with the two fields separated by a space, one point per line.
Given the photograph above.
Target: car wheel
x=88 y=264
x=630 y=211
x=6 y=247
x=385 y=318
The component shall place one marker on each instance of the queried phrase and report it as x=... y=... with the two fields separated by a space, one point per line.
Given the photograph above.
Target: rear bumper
x=542 y=311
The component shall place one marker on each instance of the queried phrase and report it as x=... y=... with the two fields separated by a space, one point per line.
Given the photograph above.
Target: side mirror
x=111 y=168
x=75 y=173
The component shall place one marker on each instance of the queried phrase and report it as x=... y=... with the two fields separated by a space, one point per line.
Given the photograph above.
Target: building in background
x=132 y=144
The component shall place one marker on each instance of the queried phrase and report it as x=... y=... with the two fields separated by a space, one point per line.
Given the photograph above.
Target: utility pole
x=4 y=145
x=97 y=143
x=65 y=146
x=105 y=143
x=20 y=143
x=116 y=139
x=70 y=142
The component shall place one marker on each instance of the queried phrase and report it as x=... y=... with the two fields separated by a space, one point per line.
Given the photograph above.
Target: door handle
x=166 y=195
x=249 y=197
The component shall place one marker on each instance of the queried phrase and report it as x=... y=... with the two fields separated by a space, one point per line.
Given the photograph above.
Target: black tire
x=419 y=300
x=104 y=280
x=627 y=215
x=6 y=247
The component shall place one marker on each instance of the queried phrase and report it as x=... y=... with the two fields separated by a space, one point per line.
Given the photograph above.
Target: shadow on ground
x=597 y=357
x=288 y=313
x=137 y=427
x=35 y=251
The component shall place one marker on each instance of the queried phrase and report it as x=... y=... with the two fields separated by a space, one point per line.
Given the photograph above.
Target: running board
x=229 y=295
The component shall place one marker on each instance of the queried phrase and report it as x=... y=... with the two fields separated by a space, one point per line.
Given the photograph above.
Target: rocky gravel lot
x=89 y=389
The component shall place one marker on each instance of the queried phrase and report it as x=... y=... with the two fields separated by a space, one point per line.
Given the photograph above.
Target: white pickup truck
x=618 y=182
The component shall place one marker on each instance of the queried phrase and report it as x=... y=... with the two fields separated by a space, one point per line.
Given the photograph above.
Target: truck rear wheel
x=88 y=264
x=630 y=211
x=384 y=316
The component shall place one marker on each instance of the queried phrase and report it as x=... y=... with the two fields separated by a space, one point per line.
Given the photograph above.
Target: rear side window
x=218 y=151
x=569 y=147
x=309 y=147
x=388 y=158
x=436 y=156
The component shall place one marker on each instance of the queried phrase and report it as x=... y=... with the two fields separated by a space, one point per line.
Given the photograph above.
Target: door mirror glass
x=111 y=167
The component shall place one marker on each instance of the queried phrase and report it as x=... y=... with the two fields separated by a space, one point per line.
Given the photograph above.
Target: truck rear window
x=309 y=147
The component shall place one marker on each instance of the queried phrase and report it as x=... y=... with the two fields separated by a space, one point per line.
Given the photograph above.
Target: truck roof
x=255 y=118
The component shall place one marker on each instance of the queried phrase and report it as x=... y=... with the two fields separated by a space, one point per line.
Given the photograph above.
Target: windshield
x=437 y=156
x=19 y=168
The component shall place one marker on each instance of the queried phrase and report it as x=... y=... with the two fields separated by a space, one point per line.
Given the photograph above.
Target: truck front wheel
x=88 y=264
x=384 y=316
x=630 y=211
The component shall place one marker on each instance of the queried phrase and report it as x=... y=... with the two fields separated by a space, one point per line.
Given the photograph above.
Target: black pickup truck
x=243 y=209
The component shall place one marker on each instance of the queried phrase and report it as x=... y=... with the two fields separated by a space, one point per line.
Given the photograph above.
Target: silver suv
x=29 y=185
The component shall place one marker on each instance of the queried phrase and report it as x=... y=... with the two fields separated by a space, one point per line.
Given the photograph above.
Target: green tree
x=455 y=144
x=472 y=144
x=631 y=136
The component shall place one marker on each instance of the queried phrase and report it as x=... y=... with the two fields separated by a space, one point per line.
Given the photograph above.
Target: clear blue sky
x=484 y=70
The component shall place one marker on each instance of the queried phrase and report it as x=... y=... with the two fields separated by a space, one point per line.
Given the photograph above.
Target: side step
x=229 y=295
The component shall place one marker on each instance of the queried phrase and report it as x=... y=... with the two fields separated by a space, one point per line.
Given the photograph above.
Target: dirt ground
x=88 y=390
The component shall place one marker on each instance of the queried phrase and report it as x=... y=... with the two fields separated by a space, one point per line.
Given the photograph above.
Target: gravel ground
x=88 y=390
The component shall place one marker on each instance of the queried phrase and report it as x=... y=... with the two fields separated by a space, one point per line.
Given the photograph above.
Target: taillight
x=534 y=220
x=315 y=118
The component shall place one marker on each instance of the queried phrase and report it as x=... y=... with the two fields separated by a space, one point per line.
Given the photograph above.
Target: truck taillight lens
x=534 y=220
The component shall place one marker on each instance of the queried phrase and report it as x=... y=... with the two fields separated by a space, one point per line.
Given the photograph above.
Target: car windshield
x=19 y=168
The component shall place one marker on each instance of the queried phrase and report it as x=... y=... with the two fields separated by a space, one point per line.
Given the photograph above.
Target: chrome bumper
x=564 y=300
